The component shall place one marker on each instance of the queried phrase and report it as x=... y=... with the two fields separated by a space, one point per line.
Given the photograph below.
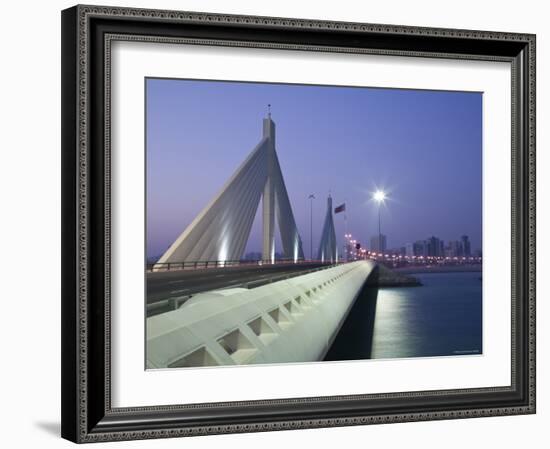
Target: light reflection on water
x=443 y=317
x=394 y=334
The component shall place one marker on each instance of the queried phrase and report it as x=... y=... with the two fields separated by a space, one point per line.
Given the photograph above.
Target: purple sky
x=424 y=148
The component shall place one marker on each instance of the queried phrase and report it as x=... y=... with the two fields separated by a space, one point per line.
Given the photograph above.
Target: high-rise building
x=434 y=247
x=455 y=249
x=378 y=243
x=420 y=248
x=466 y=246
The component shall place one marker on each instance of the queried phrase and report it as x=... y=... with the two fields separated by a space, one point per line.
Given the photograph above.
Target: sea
x=443 y=317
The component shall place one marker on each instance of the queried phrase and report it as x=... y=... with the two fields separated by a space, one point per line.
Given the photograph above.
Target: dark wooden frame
x=86 y=411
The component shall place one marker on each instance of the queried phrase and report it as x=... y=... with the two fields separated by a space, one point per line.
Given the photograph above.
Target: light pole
x=311 y=198
x=379 y=196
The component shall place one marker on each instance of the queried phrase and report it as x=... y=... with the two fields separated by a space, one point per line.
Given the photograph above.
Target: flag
x=340 y=208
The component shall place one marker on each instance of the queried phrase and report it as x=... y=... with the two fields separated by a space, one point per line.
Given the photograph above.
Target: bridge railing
x=202 y=264
x=289 y=321
x=165 y=305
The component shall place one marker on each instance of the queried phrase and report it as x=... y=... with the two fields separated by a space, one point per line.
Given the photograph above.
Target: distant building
x=466 y=246
x=435 y=247
x=348 y=251
x=378 y=243
x=420 y=248
x=454 y=249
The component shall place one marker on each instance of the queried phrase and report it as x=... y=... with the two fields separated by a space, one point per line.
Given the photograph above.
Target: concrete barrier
x=292 y=320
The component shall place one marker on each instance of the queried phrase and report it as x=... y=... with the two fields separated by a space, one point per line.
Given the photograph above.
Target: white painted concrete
x=328 y=246
x=221 y=230
x=293 y=320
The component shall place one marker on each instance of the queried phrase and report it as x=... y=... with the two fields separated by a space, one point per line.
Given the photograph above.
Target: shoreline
x=385 y=277
x=439 y=269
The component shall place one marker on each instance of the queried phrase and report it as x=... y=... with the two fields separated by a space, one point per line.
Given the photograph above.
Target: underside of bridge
x=221 y=230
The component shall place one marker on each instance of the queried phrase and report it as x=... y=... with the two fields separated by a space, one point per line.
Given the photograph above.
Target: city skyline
x=463 y=240
x=422 y=147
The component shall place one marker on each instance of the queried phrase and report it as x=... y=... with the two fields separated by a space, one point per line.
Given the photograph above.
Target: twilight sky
x=424 y=148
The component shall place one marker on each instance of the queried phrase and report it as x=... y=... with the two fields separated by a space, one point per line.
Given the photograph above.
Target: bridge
x=206 y=306
x=168 y=289
x=221 y=230
x=292 y=320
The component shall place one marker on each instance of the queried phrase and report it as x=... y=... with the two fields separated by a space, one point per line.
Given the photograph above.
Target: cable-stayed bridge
x=328 y=248
x=221 y=230
x=238 y=314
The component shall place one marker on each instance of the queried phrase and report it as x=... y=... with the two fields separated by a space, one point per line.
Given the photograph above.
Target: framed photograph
x=278 y=223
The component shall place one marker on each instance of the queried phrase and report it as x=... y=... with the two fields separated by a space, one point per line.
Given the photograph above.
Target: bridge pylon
x=221 y=230
x=328 y=249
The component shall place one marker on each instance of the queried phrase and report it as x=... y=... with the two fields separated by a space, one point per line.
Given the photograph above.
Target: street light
x=311 y=198
x=379 y=196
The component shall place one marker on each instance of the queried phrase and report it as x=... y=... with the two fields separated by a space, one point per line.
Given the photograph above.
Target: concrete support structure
x=328 y=248
x=221 y=230
x=294 y=320
x=268 y=200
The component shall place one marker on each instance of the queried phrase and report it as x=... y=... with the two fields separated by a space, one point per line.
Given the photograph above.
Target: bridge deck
x=292 y=320
x=165 y=285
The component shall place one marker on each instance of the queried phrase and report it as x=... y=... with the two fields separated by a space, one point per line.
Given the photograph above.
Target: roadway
x=163 y=285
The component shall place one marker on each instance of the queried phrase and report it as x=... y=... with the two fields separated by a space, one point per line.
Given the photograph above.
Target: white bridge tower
x=221 y=230
x=328 y=249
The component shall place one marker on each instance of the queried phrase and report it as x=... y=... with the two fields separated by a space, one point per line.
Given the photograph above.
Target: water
x=441 y=318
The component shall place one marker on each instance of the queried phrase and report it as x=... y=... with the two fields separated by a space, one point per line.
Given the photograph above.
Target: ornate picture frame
x=88 y=33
